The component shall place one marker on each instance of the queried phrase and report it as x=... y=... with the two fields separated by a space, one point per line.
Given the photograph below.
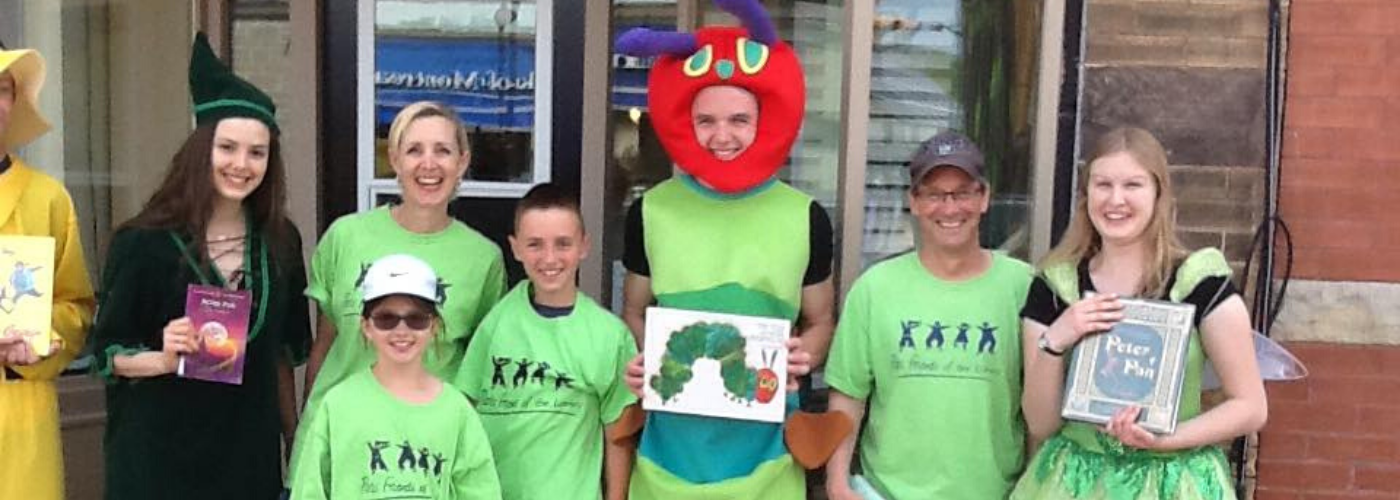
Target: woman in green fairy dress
x=1121 y=243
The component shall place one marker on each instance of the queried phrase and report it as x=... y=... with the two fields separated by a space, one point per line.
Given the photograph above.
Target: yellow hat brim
x=26 y=123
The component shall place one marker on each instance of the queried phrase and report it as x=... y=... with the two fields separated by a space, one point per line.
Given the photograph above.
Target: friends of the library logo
x=417 y=472
x=934 y=336
x=542 y=374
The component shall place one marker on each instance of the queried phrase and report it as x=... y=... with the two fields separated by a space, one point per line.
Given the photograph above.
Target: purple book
x=220 y=320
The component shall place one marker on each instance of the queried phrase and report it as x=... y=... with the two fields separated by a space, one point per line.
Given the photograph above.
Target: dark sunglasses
x=389 y=321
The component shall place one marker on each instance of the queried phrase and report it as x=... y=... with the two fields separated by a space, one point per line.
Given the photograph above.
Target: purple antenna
x=754 y=17
x=643 y=42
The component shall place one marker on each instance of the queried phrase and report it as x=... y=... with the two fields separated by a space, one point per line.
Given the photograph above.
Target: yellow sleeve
x=73 y=300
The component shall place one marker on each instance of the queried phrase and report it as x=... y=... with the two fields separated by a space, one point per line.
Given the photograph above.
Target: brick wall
x=1336 y=435
x=1333 y=435
x=1192 y=72
x=1341 y=155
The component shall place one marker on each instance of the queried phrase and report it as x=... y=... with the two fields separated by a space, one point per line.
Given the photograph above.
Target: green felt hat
x=219 y=94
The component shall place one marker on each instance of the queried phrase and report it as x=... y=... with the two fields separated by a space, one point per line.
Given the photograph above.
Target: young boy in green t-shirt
x=545 y=366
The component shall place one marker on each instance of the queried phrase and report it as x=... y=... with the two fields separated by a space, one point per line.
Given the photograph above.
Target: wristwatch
x=1044 y=344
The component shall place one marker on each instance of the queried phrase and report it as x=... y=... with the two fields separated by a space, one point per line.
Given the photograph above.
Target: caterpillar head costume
x=751 y=58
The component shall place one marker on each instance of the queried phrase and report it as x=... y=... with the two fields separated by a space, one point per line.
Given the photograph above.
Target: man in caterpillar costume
x=726 y=236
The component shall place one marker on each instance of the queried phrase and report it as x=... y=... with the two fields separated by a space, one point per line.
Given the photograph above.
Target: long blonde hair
x=1081 y=241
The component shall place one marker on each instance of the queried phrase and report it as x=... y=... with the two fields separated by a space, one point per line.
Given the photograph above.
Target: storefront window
x=482 y=58
x=951 y=64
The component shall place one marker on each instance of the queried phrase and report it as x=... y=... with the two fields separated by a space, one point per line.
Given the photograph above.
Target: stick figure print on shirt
x=988 y=340
x=906 y=339
x=538 y=376
x=438 y=459
x=376 y=459
x=961 y=340
x=561 y=380
x=406 y=456
x=935 y=334
x=499 y=376
x=522 y=372
x=423 y=459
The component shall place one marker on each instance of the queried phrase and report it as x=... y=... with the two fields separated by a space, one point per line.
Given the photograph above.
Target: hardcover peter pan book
x=26 y=290
x=220 y=320
x=718 y=365
x=1141 y=362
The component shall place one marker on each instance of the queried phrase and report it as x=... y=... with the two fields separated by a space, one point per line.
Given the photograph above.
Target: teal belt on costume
x=671 y=440
x=1125 y=471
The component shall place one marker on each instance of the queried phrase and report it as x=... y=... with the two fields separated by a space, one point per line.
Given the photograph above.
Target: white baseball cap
x=400 y=275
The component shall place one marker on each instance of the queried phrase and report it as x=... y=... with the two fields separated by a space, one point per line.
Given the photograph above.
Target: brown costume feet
x=813 y=437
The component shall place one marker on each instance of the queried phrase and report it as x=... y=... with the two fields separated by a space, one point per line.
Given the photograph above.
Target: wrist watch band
x=1044 y=344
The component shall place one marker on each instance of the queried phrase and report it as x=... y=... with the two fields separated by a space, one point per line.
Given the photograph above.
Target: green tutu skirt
x=1066 y=470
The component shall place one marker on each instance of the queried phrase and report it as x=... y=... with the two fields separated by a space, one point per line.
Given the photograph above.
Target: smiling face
x=726 y=120
x=239 y=157
x=550 y=243
x=400 y=328
x=429 y=161
x=948 y=205
x=1122 y=196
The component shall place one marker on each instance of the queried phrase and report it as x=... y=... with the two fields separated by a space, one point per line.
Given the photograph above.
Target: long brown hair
x=1081 y=241
x=184 y=202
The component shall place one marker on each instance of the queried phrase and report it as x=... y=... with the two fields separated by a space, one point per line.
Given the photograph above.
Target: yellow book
x=26 y=290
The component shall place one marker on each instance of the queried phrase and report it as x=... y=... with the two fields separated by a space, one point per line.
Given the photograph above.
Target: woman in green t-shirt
x=1122 y=243
x=395 y=430
x=429 y=152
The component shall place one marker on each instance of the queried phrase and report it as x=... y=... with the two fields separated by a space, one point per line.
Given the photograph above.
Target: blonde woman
x=1122 y=243
x=429 y=151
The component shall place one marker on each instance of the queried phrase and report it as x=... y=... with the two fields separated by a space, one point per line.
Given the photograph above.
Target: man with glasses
x=931 y=341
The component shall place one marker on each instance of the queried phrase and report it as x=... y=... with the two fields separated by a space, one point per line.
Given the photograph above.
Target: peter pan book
x=718 y=365
x=220 y=320
x=1141 y=362
x=26 y=290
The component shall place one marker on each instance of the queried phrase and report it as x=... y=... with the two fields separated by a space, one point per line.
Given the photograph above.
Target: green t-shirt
x=469 y=269
x=545 y=387
x=940 y=363
x=366 y=444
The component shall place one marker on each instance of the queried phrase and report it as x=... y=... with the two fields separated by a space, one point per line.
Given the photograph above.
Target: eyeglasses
x=960 y=196
x=389 y=321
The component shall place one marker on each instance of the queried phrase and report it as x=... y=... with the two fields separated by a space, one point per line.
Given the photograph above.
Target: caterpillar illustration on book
x=723 y=343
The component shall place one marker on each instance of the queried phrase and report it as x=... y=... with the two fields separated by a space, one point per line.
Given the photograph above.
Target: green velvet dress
x=176 y=438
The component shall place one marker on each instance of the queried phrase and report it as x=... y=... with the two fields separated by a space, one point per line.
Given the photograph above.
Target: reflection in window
x=959 y=64
x=637 y=161
x=477 y=56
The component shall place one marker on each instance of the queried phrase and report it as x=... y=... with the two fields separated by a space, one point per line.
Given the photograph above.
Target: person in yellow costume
x=34 y=204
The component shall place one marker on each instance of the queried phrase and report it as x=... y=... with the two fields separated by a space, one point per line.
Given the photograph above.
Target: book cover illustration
x=26 y=290
x=220 y=320
x=718 y=365
x=1141 y=362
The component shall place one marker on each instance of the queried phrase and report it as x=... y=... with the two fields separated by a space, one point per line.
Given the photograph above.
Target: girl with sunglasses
x=395 y=428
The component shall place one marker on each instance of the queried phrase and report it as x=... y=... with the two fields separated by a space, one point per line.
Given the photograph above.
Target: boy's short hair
x=548 y=196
